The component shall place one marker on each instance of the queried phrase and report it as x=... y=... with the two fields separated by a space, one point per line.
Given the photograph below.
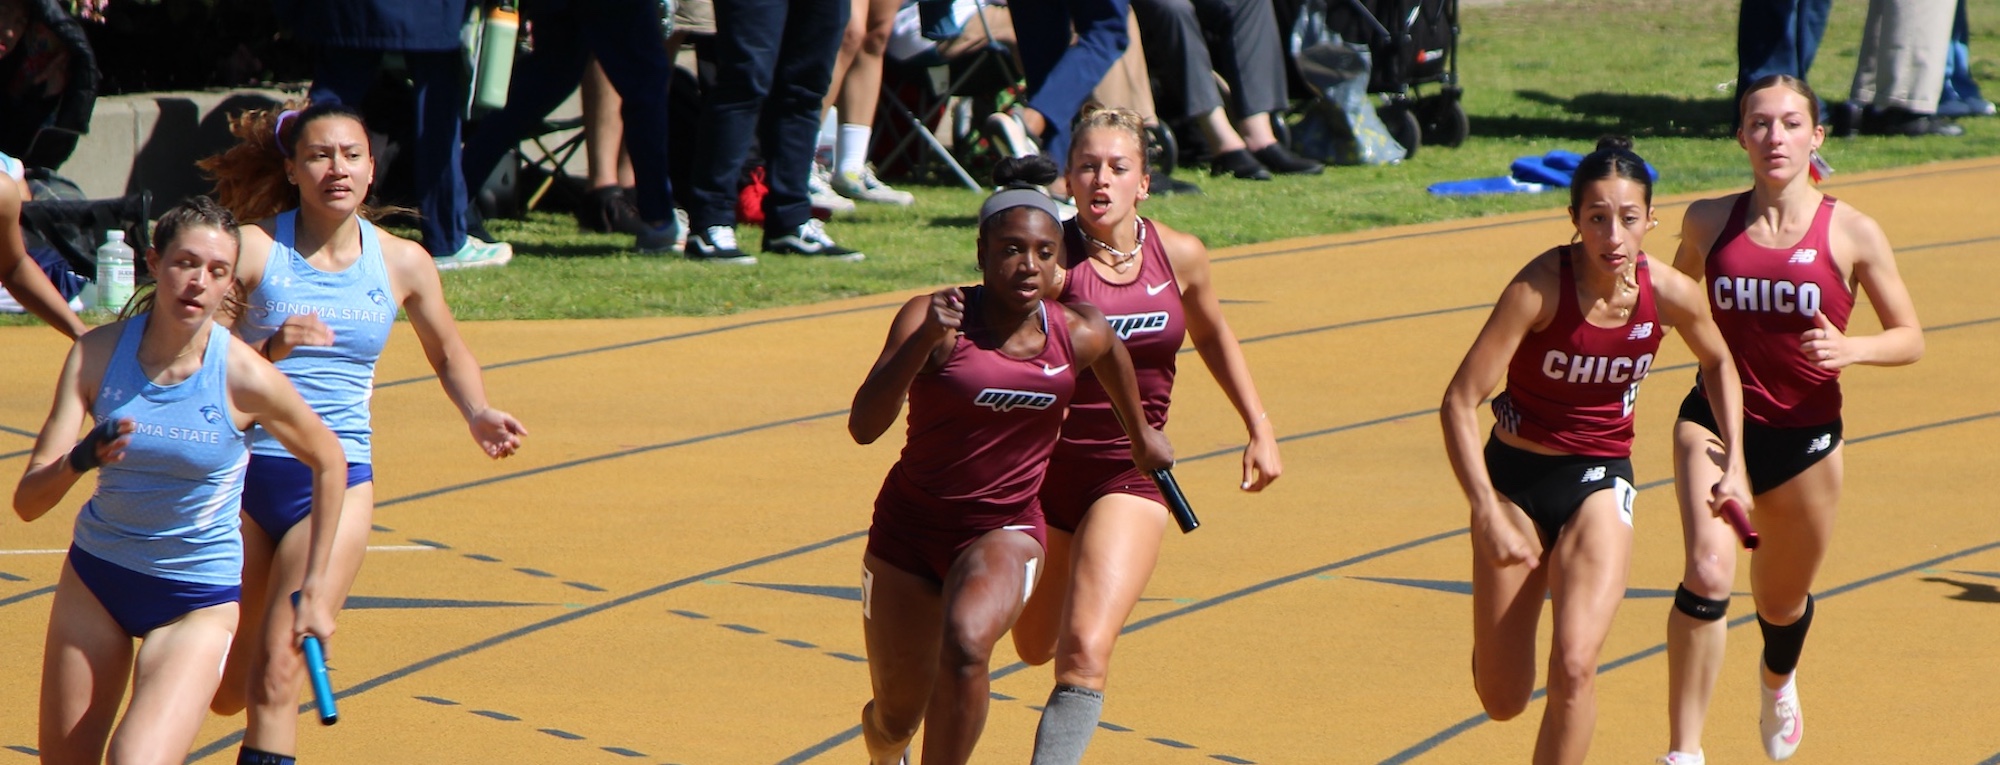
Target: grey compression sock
x=1067 y=723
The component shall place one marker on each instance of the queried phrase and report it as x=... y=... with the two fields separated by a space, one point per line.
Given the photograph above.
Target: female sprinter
x=1781 y=261
x=1552 y=490
x=157 y=556
x=989 y=371
x=324 y=286
x=1105 y=517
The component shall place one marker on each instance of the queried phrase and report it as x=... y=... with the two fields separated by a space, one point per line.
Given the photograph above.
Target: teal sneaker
x=476 y=254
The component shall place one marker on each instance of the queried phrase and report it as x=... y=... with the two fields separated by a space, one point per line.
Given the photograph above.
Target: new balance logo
x=1823 y=443
x=1155 y=289
x=1138 y=323
x=1641 y=331
x=1804 y=255
x=1002 y=399
x=1053 y=371
x=1595 y=473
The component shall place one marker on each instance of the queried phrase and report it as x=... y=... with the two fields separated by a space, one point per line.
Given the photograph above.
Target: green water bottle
x=497 y=37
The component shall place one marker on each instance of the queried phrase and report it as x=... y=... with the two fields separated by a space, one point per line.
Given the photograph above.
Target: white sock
x=852 y=155
x=828 y=124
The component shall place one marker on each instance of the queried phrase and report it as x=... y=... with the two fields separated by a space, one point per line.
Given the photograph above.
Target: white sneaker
x=863 y=186
x=717 y=244
x=810 y=239
x=1013 y=134
x=1681 y=758
x=819 y=189
x=1780 y=720
x=476 y=253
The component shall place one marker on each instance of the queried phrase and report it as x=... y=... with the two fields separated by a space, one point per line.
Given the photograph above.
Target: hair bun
x=1614 y=143
x=1025 y=172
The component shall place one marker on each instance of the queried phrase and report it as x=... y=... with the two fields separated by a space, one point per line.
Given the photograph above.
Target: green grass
x=1538 y=75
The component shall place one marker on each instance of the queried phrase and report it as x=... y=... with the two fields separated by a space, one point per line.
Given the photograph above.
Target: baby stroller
x=1412 y=43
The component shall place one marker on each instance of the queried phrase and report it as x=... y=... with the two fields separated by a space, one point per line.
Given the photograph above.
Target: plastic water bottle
x=497 y=37
x=115 y=277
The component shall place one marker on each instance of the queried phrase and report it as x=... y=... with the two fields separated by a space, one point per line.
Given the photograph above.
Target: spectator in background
x=857 y=86
x=784 y=51
x=1250 y=60
x=1778 y=37
x=1961 y=97
x=610 y=165
x=1900 y=75
x=1061 y=73
x=352 y=36
x=48 y=82
x=626 y=37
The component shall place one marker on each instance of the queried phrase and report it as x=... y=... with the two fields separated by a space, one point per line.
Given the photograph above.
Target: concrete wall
x=152 y=140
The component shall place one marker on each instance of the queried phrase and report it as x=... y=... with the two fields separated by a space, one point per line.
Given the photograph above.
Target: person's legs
x=259 y=551
x=1249 y=57
x=786 y=133
x=176 y=674
x=1112 y=556
x=624 y=34
x=1697 y=632
x=440 y=82
x=983 y=593
x=1177 y=55
x=1795 y=521
x=1036 y=631
x=277 y=669
x=603 y=129
x=860 y=92
x=85 y=663
x=745 y=50
x=1101 y=37
x=1914 y=49
x=902 y=618
x=1587 y=573
x=1506 y=609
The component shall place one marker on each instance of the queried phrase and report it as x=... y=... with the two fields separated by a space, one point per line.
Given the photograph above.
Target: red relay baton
x=1732 y=511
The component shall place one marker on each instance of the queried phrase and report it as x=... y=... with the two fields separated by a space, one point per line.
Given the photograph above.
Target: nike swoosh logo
x=1053 y=371
x=1154 y=289
x=1798 y=732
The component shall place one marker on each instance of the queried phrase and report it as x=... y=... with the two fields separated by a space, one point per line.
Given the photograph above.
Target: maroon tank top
x=1571 y=386
x=981 y=427
x=1764 y=300
x=1146 y=313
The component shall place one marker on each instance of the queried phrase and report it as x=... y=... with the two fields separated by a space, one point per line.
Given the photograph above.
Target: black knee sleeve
x=1782 y=645
x=1705 y=609
x=248 y=756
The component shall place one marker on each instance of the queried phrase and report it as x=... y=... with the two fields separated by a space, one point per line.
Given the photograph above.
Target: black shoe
x=717 y=244
x=1162 y=184
x=1240 y=163
x=808 y=239
x=1846 y=120
x=1903 y=122
x=1282 y=161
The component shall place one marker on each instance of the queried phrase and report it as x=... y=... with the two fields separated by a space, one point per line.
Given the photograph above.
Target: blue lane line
x=17 y=432
x=378 y=681
x=1994 y=760
x=29 y=595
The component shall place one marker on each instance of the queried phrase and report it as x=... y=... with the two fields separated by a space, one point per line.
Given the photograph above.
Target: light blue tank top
x=169 y=509
x=336 y=380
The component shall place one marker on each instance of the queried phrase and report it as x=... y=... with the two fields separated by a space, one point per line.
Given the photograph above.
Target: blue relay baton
x=316 y=669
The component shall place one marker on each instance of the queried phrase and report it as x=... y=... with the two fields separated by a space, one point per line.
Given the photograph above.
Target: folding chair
x=935 y=100
x=551 y=161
